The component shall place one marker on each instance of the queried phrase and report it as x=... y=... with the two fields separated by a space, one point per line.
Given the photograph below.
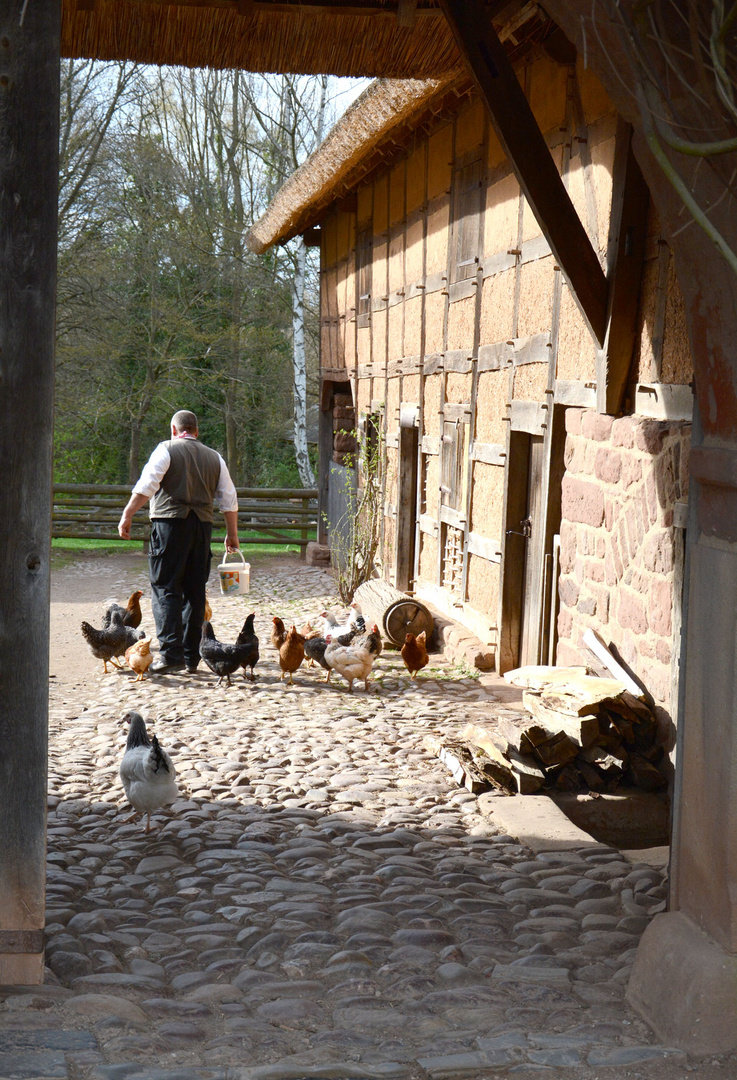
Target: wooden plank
x=459 y=360
x=529 y=416
x=485 y=548
x=596 y=643
x=489 y=453
x=583 y=730
x=627 y=239
x=663 y=401
x=530 y=158
x=528 y=777
x=513 y=551
x=460 y=412
x=29 y=135
x=531 y=350
x=404 y=546
x=573 y=392
x=540 y=676
x=494 y=357
x=428 y=524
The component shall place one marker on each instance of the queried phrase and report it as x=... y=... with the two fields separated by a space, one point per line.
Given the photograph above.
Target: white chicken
x=147 y=771
x=354 y=622
x=354 y=661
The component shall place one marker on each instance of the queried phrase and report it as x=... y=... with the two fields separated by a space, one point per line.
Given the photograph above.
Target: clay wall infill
x=617 y=541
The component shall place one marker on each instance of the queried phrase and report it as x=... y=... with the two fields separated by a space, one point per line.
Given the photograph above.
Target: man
x=182 y=477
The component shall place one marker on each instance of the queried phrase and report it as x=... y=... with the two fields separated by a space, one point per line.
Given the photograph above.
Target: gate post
x=29 y=169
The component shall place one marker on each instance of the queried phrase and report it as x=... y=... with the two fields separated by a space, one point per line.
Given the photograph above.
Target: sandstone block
x=623 y=431
x=596 y=426
x=631 y=613
x=661 y=608
x=317 y=554
x=568 y=592
x=650 y=436
x=608 y=466
x=573 y=421
x=582 y=501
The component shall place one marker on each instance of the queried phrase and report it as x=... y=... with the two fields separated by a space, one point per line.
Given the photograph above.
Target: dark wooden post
x=29 y=137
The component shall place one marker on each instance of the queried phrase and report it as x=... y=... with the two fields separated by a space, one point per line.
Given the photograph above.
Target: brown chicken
x=130 y=614
x=208 y=610
x=138 y=657
x=414 y=653
x=278 y=634
x=308 y=632
x=291 y=653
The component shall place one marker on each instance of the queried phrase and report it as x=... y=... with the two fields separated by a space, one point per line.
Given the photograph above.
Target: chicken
x=221 y=659
x=139 y=656
x=309 y=633
x=355 y=622
x=131 y=613
x=208 y=610
x=354 y=661
x=147 y=771
x=414 y=653
x=247 y=645
x=278 y=634
x=291 y=653
x=355 y=617
x=315 y=647
x=107 y=644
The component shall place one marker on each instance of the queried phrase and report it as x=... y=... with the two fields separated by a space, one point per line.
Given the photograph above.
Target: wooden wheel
x=407 y=617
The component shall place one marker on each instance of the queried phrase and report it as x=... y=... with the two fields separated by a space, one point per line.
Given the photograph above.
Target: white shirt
x=155 y=468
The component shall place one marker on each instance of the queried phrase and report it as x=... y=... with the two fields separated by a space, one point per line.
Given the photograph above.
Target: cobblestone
x=322 y=901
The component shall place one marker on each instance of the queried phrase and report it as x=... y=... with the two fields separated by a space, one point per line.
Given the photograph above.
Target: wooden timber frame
x=29 y=133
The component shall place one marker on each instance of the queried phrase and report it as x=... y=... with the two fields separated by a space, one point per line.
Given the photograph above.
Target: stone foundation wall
x=622 y=480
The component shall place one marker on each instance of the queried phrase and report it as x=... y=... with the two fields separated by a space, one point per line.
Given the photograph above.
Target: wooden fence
x=265 y=515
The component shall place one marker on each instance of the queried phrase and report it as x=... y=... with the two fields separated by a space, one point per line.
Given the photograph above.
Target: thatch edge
x=384 y=105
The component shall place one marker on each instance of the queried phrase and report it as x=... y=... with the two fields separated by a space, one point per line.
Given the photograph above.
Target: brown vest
x=189 y=483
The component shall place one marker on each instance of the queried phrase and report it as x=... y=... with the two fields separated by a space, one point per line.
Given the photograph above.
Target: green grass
x=110 y=547
x=115 y=547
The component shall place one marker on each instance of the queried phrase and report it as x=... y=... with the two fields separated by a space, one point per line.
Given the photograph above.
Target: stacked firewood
x=581 y=732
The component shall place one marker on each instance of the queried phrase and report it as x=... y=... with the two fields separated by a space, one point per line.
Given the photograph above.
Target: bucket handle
x=236 y=552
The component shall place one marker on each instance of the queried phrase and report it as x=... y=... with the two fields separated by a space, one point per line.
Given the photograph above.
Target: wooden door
x=533 y=526
x=407 y=522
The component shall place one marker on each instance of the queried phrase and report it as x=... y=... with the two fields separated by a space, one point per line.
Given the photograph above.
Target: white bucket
x=234 y=578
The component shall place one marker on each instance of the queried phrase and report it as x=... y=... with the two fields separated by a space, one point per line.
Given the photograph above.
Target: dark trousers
x=179 y=566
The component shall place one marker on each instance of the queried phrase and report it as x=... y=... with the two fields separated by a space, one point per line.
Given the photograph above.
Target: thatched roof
x=341 y=159
x=371 y=38
x=371 y=131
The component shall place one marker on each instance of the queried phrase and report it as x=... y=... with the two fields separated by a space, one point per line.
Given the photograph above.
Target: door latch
x=526 y=524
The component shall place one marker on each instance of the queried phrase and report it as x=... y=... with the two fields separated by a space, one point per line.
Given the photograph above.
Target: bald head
x=184 y=420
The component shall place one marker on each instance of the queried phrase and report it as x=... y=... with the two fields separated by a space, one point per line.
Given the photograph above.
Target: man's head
x=184 y=422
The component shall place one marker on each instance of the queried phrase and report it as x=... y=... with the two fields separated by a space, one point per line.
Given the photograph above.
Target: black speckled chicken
x=147 y=771
x=105 y=645
x=222 y=659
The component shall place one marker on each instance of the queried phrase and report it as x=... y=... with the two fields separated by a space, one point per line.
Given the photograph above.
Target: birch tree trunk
x=299 y=364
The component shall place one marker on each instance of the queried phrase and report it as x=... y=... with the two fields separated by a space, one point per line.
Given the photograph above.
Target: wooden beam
x=29 y=169
x=627 y=238
x=529 y=156
x=406 y=12
x=298 y=7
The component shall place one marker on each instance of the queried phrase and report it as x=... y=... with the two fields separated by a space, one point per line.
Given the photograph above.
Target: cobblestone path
x=323 y=901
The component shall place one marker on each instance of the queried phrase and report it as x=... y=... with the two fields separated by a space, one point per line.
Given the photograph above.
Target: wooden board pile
x=583 y=732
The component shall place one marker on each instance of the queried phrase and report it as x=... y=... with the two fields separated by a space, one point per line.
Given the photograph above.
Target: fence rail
x=265 y=515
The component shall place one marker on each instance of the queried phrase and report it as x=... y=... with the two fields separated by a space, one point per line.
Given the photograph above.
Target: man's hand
x=126 y=519
x=232 y=543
